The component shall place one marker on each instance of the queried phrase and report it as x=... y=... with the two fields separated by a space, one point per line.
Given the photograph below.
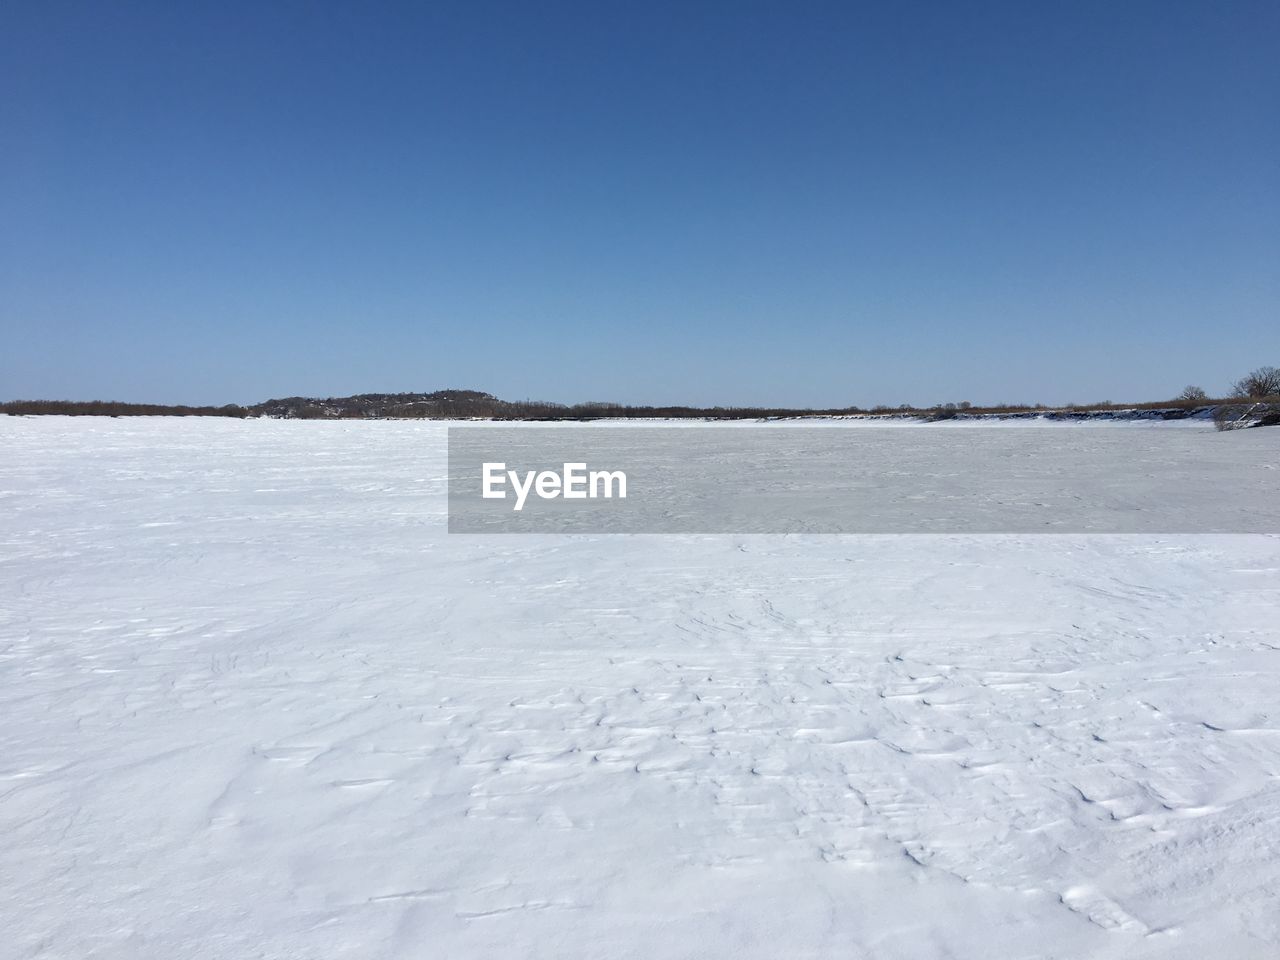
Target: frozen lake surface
x=256 y=702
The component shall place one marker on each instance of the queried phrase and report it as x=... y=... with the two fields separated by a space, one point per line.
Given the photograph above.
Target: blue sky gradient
x=742 y=203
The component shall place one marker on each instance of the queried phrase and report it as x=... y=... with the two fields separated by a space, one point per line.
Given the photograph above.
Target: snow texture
x=257 y=703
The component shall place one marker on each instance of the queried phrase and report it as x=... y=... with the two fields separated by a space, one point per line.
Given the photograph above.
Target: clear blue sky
x=779 y=203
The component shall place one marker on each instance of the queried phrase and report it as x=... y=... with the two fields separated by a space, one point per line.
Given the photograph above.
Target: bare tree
x=1263 y=382
x=1192 y=393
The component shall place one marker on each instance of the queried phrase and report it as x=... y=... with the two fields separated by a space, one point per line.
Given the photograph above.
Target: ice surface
x=256 y=702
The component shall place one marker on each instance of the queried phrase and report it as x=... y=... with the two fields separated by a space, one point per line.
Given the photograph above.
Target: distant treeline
x=111 y=408
x=534 y=411
x=462 y=404
x=1260 y=388
x=473 y=404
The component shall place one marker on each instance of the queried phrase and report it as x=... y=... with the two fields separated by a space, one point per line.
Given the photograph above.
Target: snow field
x=257 y=703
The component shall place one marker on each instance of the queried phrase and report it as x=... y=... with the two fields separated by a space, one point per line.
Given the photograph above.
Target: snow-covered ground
x=256 y=702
